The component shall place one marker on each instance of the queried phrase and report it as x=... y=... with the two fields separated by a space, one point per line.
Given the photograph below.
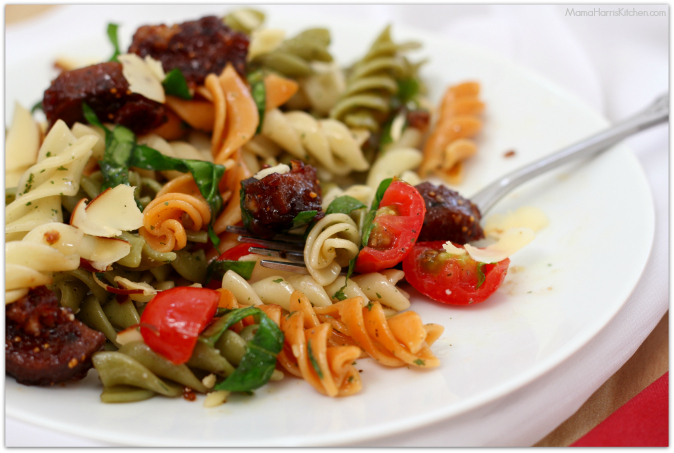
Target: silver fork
x=291 y=247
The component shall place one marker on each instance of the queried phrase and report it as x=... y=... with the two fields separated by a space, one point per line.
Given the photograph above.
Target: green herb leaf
x=386 y=137
x=259 y=361
x=258 y=91
x=420 y=362
x=246 y=217
x=480 y=274
x=344 y=205
x=38 y=106
x=368 y=225
x=112 y=36
x=217 y=268
x=339 y=295
x=408 y=89
x=314 y=362
x=278 y=280
x=303 y=218
x=176 y=85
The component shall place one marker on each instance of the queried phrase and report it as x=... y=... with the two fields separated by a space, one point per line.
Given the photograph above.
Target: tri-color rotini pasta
x=122 y=207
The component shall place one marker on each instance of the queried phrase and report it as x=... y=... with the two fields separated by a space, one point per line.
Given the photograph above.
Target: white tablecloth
x=617 y=64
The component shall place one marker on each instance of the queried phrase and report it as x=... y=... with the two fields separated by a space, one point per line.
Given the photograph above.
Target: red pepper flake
x=51 y=237
x=509 y=153
x=189 y=394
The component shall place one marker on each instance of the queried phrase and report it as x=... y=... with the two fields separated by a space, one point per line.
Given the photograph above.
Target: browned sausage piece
x=197 y=48
x=44 y=343
x=104 y=88
x=275 y=200
x=449 y=216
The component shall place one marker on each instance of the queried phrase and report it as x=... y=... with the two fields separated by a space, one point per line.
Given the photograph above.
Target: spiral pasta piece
x=327 y=142
x=396 y=341
x=372 y=82
x=57 y=172
x=235 y=112
x=293 y=57
x=458 y=121
x=307 y=353
x=178 y=205
x=330 y=245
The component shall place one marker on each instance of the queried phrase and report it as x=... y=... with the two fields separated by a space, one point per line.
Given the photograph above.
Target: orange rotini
x=449 y=144
x=177 y=207
x=307 y=352
x=235 y=113
x=396 y=341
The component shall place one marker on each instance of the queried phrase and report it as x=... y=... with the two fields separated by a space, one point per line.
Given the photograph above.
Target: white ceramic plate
x=569 y=282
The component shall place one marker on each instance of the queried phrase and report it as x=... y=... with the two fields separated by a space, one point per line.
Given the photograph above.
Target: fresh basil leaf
x=408 y=89
x=259 y=361
x=217 y=268
x=176 y=85
x=38 y=106
x=114 y=40
x=259 y=93
x=480 y=275
x=344 y=205
x=314 y=362
x=386 y=137
x=339 y=295
x=303 y=218
x=368 y=225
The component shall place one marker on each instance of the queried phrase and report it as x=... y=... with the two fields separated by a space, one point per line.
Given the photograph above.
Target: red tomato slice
x=179 y=315
x=451 y=279
x=396 y=228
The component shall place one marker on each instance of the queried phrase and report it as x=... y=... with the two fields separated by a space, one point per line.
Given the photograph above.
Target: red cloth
x=641 y=422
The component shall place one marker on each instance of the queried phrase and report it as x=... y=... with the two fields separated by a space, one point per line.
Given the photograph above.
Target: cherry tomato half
x=179 y=315
x=452 y=279
x=396 y=227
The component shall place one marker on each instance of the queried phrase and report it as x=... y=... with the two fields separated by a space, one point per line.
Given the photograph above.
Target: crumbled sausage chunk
x=44 y=343
x=449 y=216
x=197 y=48
x=273 y=201
x=104 y=88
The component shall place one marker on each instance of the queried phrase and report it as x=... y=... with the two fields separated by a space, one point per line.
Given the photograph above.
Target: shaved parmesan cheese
x=148 y=292
x=264 y=41
x=452 y=249
x=510 y=242
x=142 y=79
x=21 y=145
x=280 y=169
x=129 y=336
x=102 y=252
x=216 y=398
x=526 y=216
x=110 y=213
x=156 y=68
x=397 y=127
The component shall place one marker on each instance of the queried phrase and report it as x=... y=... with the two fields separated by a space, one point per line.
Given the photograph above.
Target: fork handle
x=656 y=113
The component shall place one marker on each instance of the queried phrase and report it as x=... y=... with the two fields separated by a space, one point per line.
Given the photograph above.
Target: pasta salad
x=119 y=249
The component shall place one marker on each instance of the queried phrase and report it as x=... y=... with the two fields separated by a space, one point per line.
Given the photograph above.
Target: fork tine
x=288 y=267
x=276 y=245
x=280 y=237
x=295 y=257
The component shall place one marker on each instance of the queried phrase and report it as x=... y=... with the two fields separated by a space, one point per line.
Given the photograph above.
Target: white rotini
x=328 y=142
x=57 y=172
x=275 y=289
x=394 y=162
x=374 y=286
x=329 y=247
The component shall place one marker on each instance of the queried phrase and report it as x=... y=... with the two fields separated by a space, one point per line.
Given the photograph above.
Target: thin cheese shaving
x=526 y=216
x=110 y=213
x=452 y=249
x=280 y=169
x=142 y=79
x=510 y=242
